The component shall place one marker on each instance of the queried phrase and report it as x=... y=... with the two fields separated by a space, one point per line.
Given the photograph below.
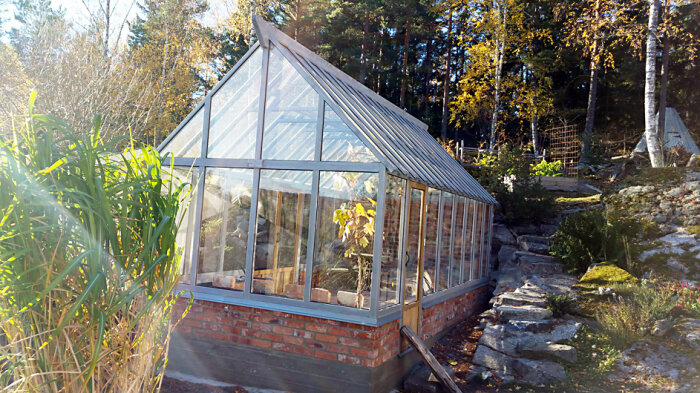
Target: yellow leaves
x=53 y=167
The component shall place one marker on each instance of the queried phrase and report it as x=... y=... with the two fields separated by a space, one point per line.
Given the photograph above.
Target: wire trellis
x=564 y=146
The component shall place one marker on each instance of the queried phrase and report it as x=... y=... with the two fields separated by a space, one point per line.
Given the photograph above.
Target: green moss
x=587 y=199
x=695 y=230
x=605 y=274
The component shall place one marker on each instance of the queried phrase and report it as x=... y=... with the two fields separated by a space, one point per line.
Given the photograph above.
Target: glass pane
x=223 y=238
x=233 y=122
x=413 y=239
x=431 y=238
x=282 y=233
x=477 y=240
x=340 y=143
x=185 y=239
x=394 y=200
x=487 y=236
x=445 y=240
x=291 y=113
x=455 y=267
x=188 y=141
x=485 y=241
x=342 y=268
x=468 y=242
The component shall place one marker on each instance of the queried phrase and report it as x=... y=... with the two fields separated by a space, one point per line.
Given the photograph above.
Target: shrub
x=559 y=305
x=88 y=262
x=592 y=237
x=545 y=168
x=632 y=314
x=521 y=197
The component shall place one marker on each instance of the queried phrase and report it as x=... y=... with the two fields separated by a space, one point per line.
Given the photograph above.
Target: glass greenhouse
x=313 y=195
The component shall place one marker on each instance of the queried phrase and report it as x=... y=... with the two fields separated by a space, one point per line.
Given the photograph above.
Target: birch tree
x=651 y=132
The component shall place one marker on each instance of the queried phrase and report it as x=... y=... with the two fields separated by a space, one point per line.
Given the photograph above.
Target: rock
x=539 y=372
x=421 y=380
x=661 y=327
x=660 y=218
x=529 y=229
x=548 y=351
x=532 y=263
x=694 y=161
x=548 y=230
x=689 y=333
x=519 y=299
x=676 y=265
x=679 y=238
x=535 y=244
x=487 y=357
x=506 y=255
x=502 y=235
x=506 y=313
x=650 y=358
x=489 y=315
x=515 y=326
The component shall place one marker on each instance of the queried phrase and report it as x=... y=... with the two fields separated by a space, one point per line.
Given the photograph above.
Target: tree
x=650 y=134
x=168 y=42
x=596 y=27
x=60 y=64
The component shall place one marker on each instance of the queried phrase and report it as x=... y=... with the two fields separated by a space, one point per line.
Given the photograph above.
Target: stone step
x=532 y=243
x=506 y=313
x=536 y=372
x=542 y=268
x=533 y=257
x=549 y=351
x=519 y=299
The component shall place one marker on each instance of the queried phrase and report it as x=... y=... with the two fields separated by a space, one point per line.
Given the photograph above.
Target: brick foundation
x=320 y=338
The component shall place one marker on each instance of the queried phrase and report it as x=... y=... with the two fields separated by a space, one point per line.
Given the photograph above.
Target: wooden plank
x=430 y=360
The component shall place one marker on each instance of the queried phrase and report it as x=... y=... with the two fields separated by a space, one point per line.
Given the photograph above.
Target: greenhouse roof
x=400 y=141
x=383 y=132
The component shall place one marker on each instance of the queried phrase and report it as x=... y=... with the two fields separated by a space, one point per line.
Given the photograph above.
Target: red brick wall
x=443 y=315
x=318 y=337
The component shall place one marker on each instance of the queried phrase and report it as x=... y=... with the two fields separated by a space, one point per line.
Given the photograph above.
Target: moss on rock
x=605 y=274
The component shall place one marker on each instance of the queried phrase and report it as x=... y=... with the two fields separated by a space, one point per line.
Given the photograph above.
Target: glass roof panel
x=234 y=112
x=188 y=141
x=291 y=112
x=340 y=143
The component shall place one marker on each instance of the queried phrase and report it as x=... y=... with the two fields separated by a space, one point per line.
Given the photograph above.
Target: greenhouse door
x=413 y=263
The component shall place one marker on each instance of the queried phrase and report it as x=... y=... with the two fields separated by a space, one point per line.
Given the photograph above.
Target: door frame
x=417 y=304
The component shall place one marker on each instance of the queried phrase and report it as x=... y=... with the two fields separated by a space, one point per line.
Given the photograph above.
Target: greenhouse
x=313 y=196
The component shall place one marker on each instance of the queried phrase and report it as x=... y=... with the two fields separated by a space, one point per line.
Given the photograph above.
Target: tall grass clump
x=87 y=261
x=632 y=314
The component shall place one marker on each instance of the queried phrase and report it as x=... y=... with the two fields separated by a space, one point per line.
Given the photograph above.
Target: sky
x=77 y=13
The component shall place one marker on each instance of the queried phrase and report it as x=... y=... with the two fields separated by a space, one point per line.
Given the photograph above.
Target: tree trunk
x=404 y=71
x=363 y=53
x=651 y=134
x=500 y=49
x=663 y=88
x=446 y=80
x=428 y=74
x=592 y=95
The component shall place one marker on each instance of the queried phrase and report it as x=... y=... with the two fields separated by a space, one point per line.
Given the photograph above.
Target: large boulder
x=502 y=235
x=507 y=255
x=654 y=359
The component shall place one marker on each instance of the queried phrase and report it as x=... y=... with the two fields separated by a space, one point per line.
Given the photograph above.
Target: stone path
x=521 y=339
